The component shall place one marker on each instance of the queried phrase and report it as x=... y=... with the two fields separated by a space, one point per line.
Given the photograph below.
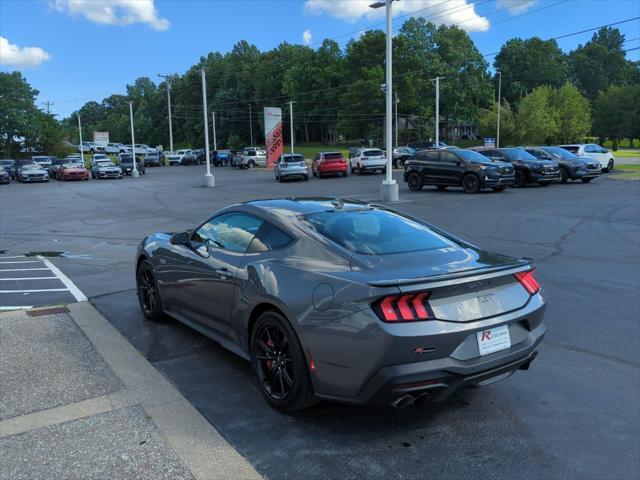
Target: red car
x=72 y=171
x=329 y=163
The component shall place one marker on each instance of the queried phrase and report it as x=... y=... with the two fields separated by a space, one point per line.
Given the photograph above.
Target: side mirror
x=180 y=238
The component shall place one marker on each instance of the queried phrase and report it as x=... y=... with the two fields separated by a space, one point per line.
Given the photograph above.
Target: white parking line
x=15 y=256
x=36 y=291
x=75 y=291
x=21 y=269
x=17 y=307
x=25 y=261
x=29 y=278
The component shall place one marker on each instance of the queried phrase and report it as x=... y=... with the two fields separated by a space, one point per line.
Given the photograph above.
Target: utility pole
x=251 y=124
x=48 y=105
x=134 y=172
x=213 y=125
x=499 y=105
x=209 y=181
x=169 y=79
x=80 y=135
x=389 y=187
x=437 y=142
x=396 y=105
x=291 y=123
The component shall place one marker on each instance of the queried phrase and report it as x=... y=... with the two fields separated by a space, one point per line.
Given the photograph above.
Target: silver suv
x=291 y=165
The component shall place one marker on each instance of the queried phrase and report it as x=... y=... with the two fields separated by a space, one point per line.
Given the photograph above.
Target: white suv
x=117 y=148
x=593 y=152
x=91 y=147
x=368 y=160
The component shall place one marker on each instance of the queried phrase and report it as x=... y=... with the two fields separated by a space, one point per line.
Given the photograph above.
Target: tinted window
x=470 y=156
x=293 y=159
x=448 y=157
x=375 y=232
x=231 y=231
x=426 y=155
x=269 y=238
x=557 y=152
x=332 y=156
x=518 y=154
x=372 y=153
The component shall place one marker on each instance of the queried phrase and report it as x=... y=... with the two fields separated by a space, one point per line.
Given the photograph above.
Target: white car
x=144 y=149
x=368 y=160
x=91 y=147
x=117 y=148
x=593 y=152
x=253 y=157
x=174 y=158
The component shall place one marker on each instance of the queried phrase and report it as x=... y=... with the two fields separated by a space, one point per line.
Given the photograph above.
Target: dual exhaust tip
x=407 y=400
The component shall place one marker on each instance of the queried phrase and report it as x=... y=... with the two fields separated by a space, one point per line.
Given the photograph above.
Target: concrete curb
x=206 y=454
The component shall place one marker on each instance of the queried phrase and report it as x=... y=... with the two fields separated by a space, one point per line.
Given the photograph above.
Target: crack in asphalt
x=604 y=356
x=558 y=247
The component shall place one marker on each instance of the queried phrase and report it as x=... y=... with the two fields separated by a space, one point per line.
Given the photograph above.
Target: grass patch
x=626 y=153
x=626 y=171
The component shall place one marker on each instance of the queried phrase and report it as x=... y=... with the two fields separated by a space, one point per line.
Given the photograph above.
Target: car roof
x=305 y=205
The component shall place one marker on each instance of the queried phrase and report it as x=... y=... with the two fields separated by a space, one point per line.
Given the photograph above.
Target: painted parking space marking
x=20 y=282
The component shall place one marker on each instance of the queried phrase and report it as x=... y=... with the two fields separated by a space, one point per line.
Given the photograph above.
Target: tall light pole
x=134 y=172
x=80 y=135
x=499 y=104
x=291 y=122
x=209 y=181
x=437 y=142
x=389 y=187
x=251 y=124
x=169 y=79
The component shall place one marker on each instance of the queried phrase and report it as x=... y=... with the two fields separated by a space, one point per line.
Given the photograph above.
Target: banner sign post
x=101 y=138
x=273 y=134
x=490 y=142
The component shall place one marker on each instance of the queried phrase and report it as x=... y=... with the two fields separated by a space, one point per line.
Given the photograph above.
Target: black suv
x=456 y=167
x=571 y=166
x=528 y=168
x=125 y=162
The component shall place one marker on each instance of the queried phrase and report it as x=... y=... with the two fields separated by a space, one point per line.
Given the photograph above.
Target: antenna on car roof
x=338 y=203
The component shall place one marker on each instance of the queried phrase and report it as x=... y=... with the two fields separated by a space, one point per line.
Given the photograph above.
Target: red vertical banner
x=273 y=134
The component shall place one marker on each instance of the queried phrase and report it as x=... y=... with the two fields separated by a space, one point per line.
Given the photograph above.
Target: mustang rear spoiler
x=451 y=278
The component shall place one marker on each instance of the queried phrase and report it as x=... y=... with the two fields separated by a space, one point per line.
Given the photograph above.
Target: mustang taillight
x=403 y=308
x=528 y=281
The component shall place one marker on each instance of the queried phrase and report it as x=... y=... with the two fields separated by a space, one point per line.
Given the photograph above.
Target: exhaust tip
x=403 y=402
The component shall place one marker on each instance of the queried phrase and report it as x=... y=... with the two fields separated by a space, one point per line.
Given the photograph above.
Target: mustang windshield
x=376 y=232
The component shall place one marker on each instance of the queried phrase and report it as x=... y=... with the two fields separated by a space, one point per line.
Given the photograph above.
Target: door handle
x=223 y=272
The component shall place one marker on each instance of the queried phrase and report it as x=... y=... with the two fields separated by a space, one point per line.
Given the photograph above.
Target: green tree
x=602 y=62
x=616 y=113
x=572 y=114
x=531 y=63
x=488 y=121
x=535 y=121
x=17 y=112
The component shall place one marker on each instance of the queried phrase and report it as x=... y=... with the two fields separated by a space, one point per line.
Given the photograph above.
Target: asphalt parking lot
x=574 y=414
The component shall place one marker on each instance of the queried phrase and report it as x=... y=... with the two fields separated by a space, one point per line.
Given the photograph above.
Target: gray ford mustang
x=347 y=301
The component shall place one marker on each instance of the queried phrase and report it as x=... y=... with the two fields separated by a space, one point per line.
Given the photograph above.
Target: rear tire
x=414 y=180
x=148 y=294
x=279 y=364
x=471 y=183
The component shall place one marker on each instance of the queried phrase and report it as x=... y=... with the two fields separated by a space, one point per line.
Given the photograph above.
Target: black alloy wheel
x=521 y=179
x=609 y=166
x=471 y=183
x=564 y=175
x=278 y=364
x=414 y=180
x=148 y=295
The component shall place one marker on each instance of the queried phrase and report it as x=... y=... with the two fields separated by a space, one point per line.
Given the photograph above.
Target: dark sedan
x=528 y=168
x=453 y=167
x=152 y=160
x=342 y=300
x=4 y=177
x=125 y=161
x=572 y=167
x=7 y=166
x=194 y=157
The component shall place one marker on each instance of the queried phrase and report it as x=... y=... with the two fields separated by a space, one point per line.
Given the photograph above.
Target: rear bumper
x=438 y=379
x=338 y=168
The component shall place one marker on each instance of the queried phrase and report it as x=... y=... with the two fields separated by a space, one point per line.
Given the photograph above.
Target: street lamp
x=134 y=172
x=389 y=187
x=250 y=123
x=499 y=102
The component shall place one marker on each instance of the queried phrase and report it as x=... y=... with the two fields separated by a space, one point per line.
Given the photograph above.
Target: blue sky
x=74 y=51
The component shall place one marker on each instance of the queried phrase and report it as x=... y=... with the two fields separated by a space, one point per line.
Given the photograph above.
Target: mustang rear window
x=375 y=232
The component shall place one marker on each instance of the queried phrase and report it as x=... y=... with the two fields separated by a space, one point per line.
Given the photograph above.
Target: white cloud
x=114 y=12
x=515 y=6
x=306 y=37
x=453 y=12
x=16 y=56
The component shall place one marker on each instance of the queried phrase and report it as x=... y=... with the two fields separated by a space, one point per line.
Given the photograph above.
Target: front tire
x=521 y=179
x=414 y=180
x=279 y=365
x=471 y=183
x=610 y=166
x=148 y=294
x=564 y=175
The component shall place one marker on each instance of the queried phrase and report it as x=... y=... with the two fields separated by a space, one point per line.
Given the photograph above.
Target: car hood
x=420 y=266
x=38 y=171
